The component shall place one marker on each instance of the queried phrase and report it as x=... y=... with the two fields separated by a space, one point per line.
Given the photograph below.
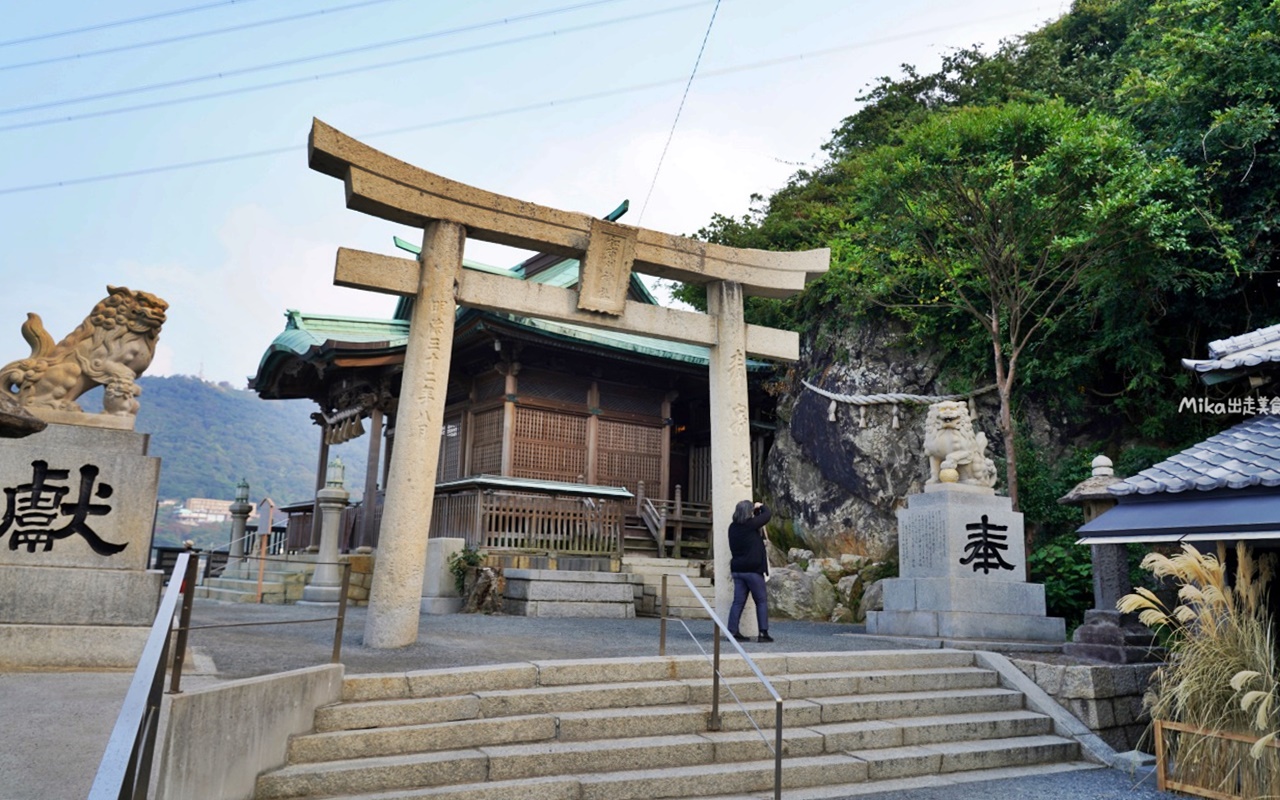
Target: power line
x=189 y=36
x=773 y=62
x=341 y=73
x=295 y=61
x=121 y=22
x=675 y=121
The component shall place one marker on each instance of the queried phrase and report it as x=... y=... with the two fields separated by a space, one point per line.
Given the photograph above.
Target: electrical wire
x=343 y=72
x=121 y=22
x=773 y=62
x=676 y=121
x=295 y=61
x=186 y=37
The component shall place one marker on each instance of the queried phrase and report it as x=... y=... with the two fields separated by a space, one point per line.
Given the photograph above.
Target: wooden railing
x=496 y=520
x=673 y=516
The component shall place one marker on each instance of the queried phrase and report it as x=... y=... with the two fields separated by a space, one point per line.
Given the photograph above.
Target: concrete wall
x=219 y=738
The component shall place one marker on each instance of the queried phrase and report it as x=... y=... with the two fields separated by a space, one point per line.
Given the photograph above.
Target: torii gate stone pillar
x=449 y=212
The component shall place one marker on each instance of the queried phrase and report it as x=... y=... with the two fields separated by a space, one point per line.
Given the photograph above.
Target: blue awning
x=1187 y=516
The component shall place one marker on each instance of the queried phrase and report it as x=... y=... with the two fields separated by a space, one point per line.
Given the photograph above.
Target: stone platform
x=565 y=593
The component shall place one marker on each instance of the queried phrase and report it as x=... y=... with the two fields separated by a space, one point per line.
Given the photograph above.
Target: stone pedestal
x=439 y=591
x=1114 y=637
x=75 y=591
x=565 y=593
x=325 y=586
x=961 y=562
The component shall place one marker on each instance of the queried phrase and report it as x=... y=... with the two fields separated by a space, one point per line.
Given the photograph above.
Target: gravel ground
x=462 y=639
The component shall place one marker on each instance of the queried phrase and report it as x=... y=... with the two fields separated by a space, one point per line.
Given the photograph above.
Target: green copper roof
x=306 y=334
x=659 y=348
x=302 y=331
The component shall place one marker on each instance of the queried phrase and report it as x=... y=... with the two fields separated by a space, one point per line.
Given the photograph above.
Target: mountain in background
x=210 y=435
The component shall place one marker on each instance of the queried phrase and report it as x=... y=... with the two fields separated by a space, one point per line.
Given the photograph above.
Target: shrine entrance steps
x=680 y=601
x=636 y=538
x=624 y=729
x=282 y=582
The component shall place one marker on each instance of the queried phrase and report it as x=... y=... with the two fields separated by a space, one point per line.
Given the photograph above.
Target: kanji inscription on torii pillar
x=449 y=212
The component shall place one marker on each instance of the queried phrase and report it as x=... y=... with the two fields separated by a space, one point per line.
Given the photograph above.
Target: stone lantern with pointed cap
x=240 y=509
x=1107 y=635
x=325 y=586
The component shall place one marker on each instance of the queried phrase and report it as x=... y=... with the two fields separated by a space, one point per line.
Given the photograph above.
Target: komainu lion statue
x=111 y=348
x=952 y=444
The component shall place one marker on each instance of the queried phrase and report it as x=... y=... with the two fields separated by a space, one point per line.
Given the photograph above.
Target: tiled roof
x=1245 y=455
x=1238 y=352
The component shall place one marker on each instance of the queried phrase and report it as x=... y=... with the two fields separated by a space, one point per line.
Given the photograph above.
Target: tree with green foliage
x=1200 y=82
x=1010 y=216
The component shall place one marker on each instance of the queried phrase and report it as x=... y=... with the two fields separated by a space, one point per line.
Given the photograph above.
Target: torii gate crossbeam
x=449 y=212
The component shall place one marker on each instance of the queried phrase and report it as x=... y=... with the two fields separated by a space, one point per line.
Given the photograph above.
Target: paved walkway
x=57 y=723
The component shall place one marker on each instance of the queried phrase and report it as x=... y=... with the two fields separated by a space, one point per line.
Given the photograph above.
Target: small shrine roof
x=1245 y=455
x=513 y=484
x=1229 y=357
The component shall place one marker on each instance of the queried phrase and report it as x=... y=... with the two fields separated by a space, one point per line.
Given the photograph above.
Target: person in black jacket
x=749 y=564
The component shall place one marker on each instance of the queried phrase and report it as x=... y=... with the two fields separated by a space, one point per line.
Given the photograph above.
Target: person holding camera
x=749 y=564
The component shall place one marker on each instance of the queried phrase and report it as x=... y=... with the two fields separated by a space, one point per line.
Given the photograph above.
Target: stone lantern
x=1107 y=635
x=325 y=586
x=240 y=509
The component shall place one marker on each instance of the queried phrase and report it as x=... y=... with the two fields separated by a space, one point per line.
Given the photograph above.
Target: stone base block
x=116 y=534
x=967 y=625
x=949 y=594
x=78 y=596
x=441 y=605
x=321 y=595
x=83 y=647
x=562 y=593
x=570 y=591
x=1115 y=654
x=554 y=608
x=1111 y=636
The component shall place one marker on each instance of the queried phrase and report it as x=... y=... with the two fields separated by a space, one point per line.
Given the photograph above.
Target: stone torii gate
x=449 y=212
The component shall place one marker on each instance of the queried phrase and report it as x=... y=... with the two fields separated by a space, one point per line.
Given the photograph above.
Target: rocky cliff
x=841 y=477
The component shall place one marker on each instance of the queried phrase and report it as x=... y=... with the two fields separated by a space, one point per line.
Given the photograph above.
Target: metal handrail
x=185 y=626
x=125 y=770
x=714 y=722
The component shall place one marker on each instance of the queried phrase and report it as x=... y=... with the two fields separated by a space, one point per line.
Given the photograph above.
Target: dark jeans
x=752 y=582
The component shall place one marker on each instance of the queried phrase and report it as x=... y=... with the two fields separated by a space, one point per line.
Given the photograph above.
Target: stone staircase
x=637 y=729
x=281 y=583
x=680 y=601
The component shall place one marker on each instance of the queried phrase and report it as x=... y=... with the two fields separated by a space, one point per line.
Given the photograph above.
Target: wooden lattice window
x=627 y=453
x=486 y=443
x=699 y=489
x=631 y=400
x=490 y=387
x=549 y=445
x=449 y=463
x=561 y=388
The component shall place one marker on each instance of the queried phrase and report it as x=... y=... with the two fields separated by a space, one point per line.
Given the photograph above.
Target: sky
x=161 y=144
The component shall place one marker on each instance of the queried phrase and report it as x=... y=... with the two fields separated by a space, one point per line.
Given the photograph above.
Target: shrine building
x=562 y=445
